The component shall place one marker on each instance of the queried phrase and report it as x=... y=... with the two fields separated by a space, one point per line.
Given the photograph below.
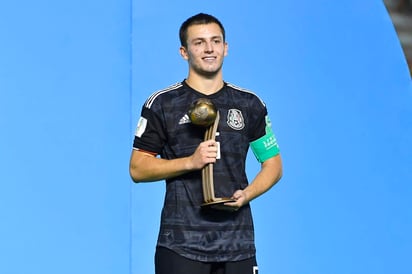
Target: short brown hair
x=198 y=19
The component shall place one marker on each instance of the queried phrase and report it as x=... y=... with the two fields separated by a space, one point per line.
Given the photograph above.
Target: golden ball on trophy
x=202 y=112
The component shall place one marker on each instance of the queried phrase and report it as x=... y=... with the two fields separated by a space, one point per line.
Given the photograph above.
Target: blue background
x=74 y=74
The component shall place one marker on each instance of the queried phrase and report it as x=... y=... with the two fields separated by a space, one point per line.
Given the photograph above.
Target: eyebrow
x=211 y=38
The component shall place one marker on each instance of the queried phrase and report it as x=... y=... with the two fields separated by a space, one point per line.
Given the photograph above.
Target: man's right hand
x=204 y=154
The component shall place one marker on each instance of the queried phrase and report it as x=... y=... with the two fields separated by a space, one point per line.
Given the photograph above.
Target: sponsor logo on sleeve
x=141 y=127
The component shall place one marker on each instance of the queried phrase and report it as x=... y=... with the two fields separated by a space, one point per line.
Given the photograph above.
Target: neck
x=205 y=85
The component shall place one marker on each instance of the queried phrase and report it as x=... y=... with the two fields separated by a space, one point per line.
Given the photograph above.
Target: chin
x=208 y=73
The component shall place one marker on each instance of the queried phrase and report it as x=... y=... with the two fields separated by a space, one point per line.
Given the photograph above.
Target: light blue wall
x=65 y=137
x=338 y=92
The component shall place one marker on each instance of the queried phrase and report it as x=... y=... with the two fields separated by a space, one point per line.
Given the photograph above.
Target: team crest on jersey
x=235 y=119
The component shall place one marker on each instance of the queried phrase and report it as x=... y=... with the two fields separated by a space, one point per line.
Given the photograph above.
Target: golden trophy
x=204 y=113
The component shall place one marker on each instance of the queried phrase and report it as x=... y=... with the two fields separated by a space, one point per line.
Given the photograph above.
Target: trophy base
x=218 y=203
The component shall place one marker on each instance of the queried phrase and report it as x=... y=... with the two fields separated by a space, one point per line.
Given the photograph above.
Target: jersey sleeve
x=257 y=120
x=149 y=134
x=262 y=141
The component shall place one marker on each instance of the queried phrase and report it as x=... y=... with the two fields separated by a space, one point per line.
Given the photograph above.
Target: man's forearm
x=147 y=168
x=268 y=176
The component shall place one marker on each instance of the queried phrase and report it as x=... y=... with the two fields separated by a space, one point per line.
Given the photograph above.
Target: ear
x=226 y=49
x=183 y=53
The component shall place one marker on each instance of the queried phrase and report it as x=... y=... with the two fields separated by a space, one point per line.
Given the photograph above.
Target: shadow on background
x=401 y=14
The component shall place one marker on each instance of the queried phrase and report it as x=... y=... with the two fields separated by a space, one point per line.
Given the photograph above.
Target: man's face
x=205 y=49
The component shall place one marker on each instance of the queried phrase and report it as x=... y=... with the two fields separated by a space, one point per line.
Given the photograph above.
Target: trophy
x=204 y=113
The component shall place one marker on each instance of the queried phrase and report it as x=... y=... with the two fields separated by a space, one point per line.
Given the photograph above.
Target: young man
x=193 y=239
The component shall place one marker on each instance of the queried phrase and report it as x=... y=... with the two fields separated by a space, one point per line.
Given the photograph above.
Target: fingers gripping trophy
x=204 y=113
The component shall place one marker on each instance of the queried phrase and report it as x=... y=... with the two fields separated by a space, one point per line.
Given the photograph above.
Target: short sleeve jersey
x=164 y=128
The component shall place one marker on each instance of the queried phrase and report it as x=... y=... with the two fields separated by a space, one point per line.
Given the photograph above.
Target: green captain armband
x=266 y=146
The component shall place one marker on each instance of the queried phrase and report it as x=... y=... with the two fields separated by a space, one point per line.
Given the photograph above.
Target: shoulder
x=162 y=94
x=246 y=97
x=248 y=94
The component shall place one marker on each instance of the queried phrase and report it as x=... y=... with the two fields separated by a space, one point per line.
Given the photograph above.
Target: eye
x=198 y=42
x=217 y=41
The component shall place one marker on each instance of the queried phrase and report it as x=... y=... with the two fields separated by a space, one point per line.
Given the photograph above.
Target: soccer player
x=167 y=146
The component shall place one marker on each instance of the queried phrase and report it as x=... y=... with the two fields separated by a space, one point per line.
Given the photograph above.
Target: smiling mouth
x=209 y=58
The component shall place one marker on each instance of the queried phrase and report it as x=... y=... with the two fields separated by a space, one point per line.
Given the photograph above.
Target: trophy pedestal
x=219 y=203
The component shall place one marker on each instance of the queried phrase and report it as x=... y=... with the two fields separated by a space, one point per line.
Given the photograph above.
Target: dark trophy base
x=219 y=203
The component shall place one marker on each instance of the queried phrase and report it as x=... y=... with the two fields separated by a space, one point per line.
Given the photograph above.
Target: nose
x=208 y=47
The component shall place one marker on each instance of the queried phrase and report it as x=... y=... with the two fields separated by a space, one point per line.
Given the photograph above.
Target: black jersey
x=165 y=129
